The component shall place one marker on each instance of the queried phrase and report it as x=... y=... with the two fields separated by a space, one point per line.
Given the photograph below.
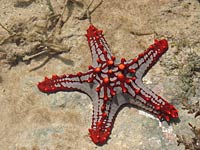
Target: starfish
x=111 y=83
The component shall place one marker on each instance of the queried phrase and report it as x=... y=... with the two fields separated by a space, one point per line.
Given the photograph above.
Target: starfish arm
x=99 y=48
x=102 y=121
x=78 y=82
x=154 y=104
x=148 y=58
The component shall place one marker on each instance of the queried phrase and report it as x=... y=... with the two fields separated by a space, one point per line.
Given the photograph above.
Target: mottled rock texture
x=31 y=120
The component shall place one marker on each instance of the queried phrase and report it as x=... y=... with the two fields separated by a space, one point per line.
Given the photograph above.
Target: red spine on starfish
x=111 y=83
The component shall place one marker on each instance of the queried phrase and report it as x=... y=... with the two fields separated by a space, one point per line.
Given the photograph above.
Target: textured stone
x=31 y=120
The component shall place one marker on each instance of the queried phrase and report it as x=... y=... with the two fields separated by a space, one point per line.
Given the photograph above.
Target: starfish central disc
x=110 y=71
x=120 y=76
x=106 y=80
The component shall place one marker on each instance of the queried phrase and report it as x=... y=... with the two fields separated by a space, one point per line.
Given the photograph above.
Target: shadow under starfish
x=112 y=83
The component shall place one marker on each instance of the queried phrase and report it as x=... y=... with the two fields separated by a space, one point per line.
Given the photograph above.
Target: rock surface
x=31 y=120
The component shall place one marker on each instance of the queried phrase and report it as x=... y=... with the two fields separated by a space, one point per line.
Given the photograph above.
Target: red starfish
x=110 y=83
